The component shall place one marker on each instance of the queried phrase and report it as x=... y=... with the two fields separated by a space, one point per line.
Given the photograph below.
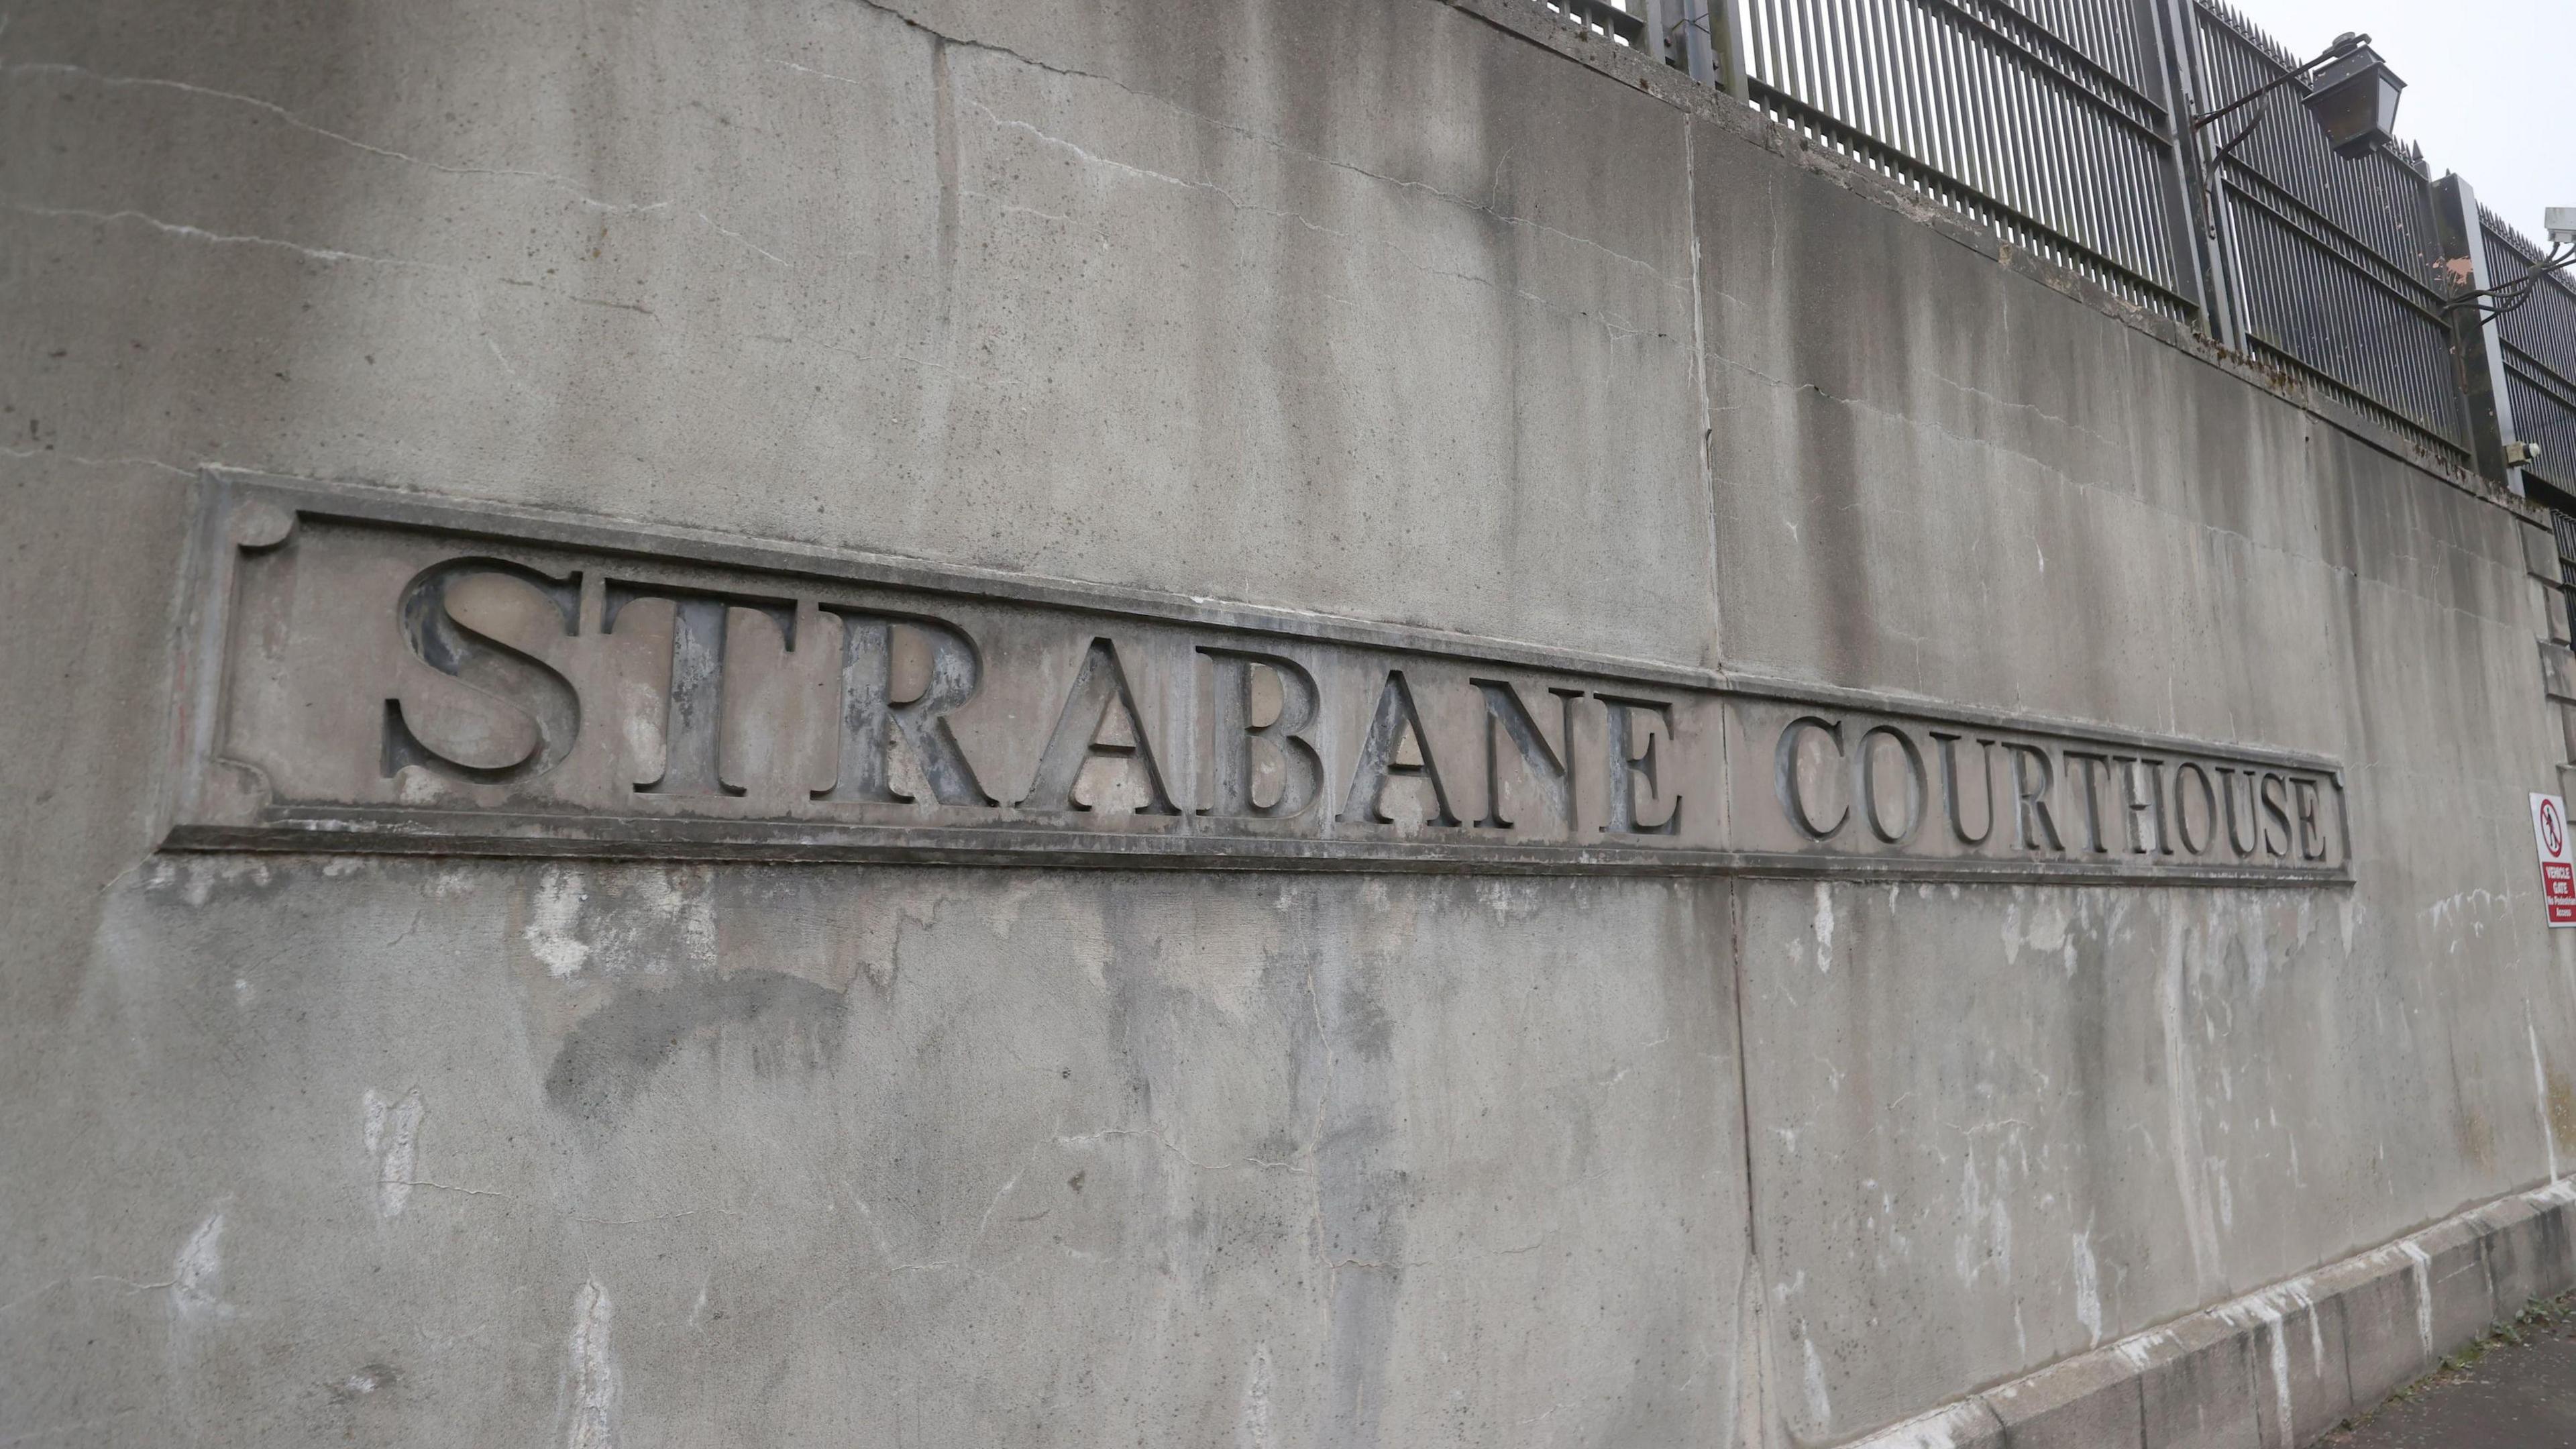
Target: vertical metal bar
x=1922 y=81
x=1777 y=45
x=2016 y=159
x=1802 y=52
x=1958 y=116
x=2486 y=399
x=1728 y=18
x=1654 y=45
x=1882 y=90
x=1774 y=52
x=2196 y=203
x=1832 y=44
x=1697 y=56
x=1885 y=85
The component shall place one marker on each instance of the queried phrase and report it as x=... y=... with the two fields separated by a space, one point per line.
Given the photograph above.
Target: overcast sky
x=2490 y=86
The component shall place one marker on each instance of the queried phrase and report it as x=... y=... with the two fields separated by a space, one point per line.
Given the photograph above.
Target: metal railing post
x=1658 y=46
x=1691 y=27
x=2204 y=201
x=2474 y=338
x=2190 y=186
x=1726 y=18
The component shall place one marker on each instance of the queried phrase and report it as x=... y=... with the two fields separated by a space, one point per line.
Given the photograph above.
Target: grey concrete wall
x=1375 y=308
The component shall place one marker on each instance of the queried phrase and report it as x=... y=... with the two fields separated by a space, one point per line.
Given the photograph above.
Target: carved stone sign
x=375 y=672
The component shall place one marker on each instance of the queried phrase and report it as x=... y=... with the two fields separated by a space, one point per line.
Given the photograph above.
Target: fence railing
x=2337 y=261
x=2539 y=345
x=2054 y=131
x=2066 y=125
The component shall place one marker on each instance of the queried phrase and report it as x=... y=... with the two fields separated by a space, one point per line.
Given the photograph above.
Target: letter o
x=1918 y=783
x=1785 y=769
x=2208 y=809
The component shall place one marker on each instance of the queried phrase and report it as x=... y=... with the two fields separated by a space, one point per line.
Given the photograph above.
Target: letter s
x=2273 y=791
x=514 y=679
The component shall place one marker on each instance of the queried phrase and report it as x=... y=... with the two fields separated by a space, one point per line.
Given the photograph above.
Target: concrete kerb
x=2303 y=1353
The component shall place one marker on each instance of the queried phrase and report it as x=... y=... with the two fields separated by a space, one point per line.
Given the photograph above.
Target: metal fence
x=2539 y=345
x=2066 y=125
x=2338 y=262
x=2046 y=121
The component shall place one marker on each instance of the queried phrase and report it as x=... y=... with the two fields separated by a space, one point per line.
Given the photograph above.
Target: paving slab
x=2506 y=1396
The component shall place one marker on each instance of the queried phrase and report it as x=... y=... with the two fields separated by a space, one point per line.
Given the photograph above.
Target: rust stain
x=2477 y=1139
x=2562 y=1108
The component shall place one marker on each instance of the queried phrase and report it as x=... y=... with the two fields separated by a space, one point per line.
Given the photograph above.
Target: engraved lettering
x=2142 y=815
x=1630 y=762
x=1553 y=773
x=2155 y=770
x=1235 y=738
x=694 y=714
x=2274 y=790
x=380 y=673
x=2242 y=843
x=1085 y=731
x=1950 y=786
x=1865 y=773
x=2030 y=798
x=2182 y=811
x=2306 y=794
x=517 y=680
x=2091 y=761
x=1793 y=797
x=874 y=723
x=1396 y=745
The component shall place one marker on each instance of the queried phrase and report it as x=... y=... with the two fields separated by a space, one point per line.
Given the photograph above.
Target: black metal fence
x=2045 y=121
x=2067 y=126
x=2538 y=341
x=2338 y=262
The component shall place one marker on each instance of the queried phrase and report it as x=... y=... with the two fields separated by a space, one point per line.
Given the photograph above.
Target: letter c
x=1786 y=770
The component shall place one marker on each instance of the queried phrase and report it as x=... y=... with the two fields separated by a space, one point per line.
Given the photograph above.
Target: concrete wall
x=1377 y=308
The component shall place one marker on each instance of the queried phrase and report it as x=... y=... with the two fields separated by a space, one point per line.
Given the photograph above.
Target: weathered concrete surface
x=1370 y=307
x=2285 y=1365
x=1199 y=297
x=2137 y=1102
x=462 y=1153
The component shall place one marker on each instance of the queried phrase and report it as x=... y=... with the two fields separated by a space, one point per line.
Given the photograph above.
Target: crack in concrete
x=100 y=463
x=1265 y=139
x=198 y=233
x=299 y=123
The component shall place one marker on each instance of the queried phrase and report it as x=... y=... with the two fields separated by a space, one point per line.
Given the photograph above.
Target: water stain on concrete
x=785 y=1023
x=2562 y=1107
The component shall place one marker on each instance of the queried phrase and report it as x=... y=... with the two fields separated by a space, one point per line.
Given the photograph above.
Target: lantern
x=2355 y=100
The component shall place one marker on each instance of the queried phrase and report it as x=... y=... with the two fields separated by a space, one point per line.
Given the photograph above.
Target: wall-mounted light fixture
x=2355 y=101
x=2351 y=92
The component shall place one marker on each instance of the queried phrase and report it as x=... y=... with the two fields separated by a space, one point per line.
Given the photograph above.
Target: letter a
x=1078 y=738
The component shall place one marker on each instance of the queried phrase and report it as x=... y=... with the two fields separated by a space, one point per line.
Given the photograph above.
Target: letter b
x=1235 y=739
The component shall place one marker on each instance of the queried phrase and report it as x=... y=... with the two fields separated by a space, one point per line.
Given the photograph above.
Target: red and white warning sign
x=2557 y=870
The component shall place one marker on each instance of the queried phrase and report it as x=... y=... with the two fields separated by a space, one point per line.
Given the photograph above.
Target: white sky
x=2490 y=86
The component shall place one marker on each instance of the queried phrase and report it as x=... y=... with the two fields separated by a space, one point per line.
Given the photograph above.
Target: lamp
x=2355 y=101
x=2353 y=97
